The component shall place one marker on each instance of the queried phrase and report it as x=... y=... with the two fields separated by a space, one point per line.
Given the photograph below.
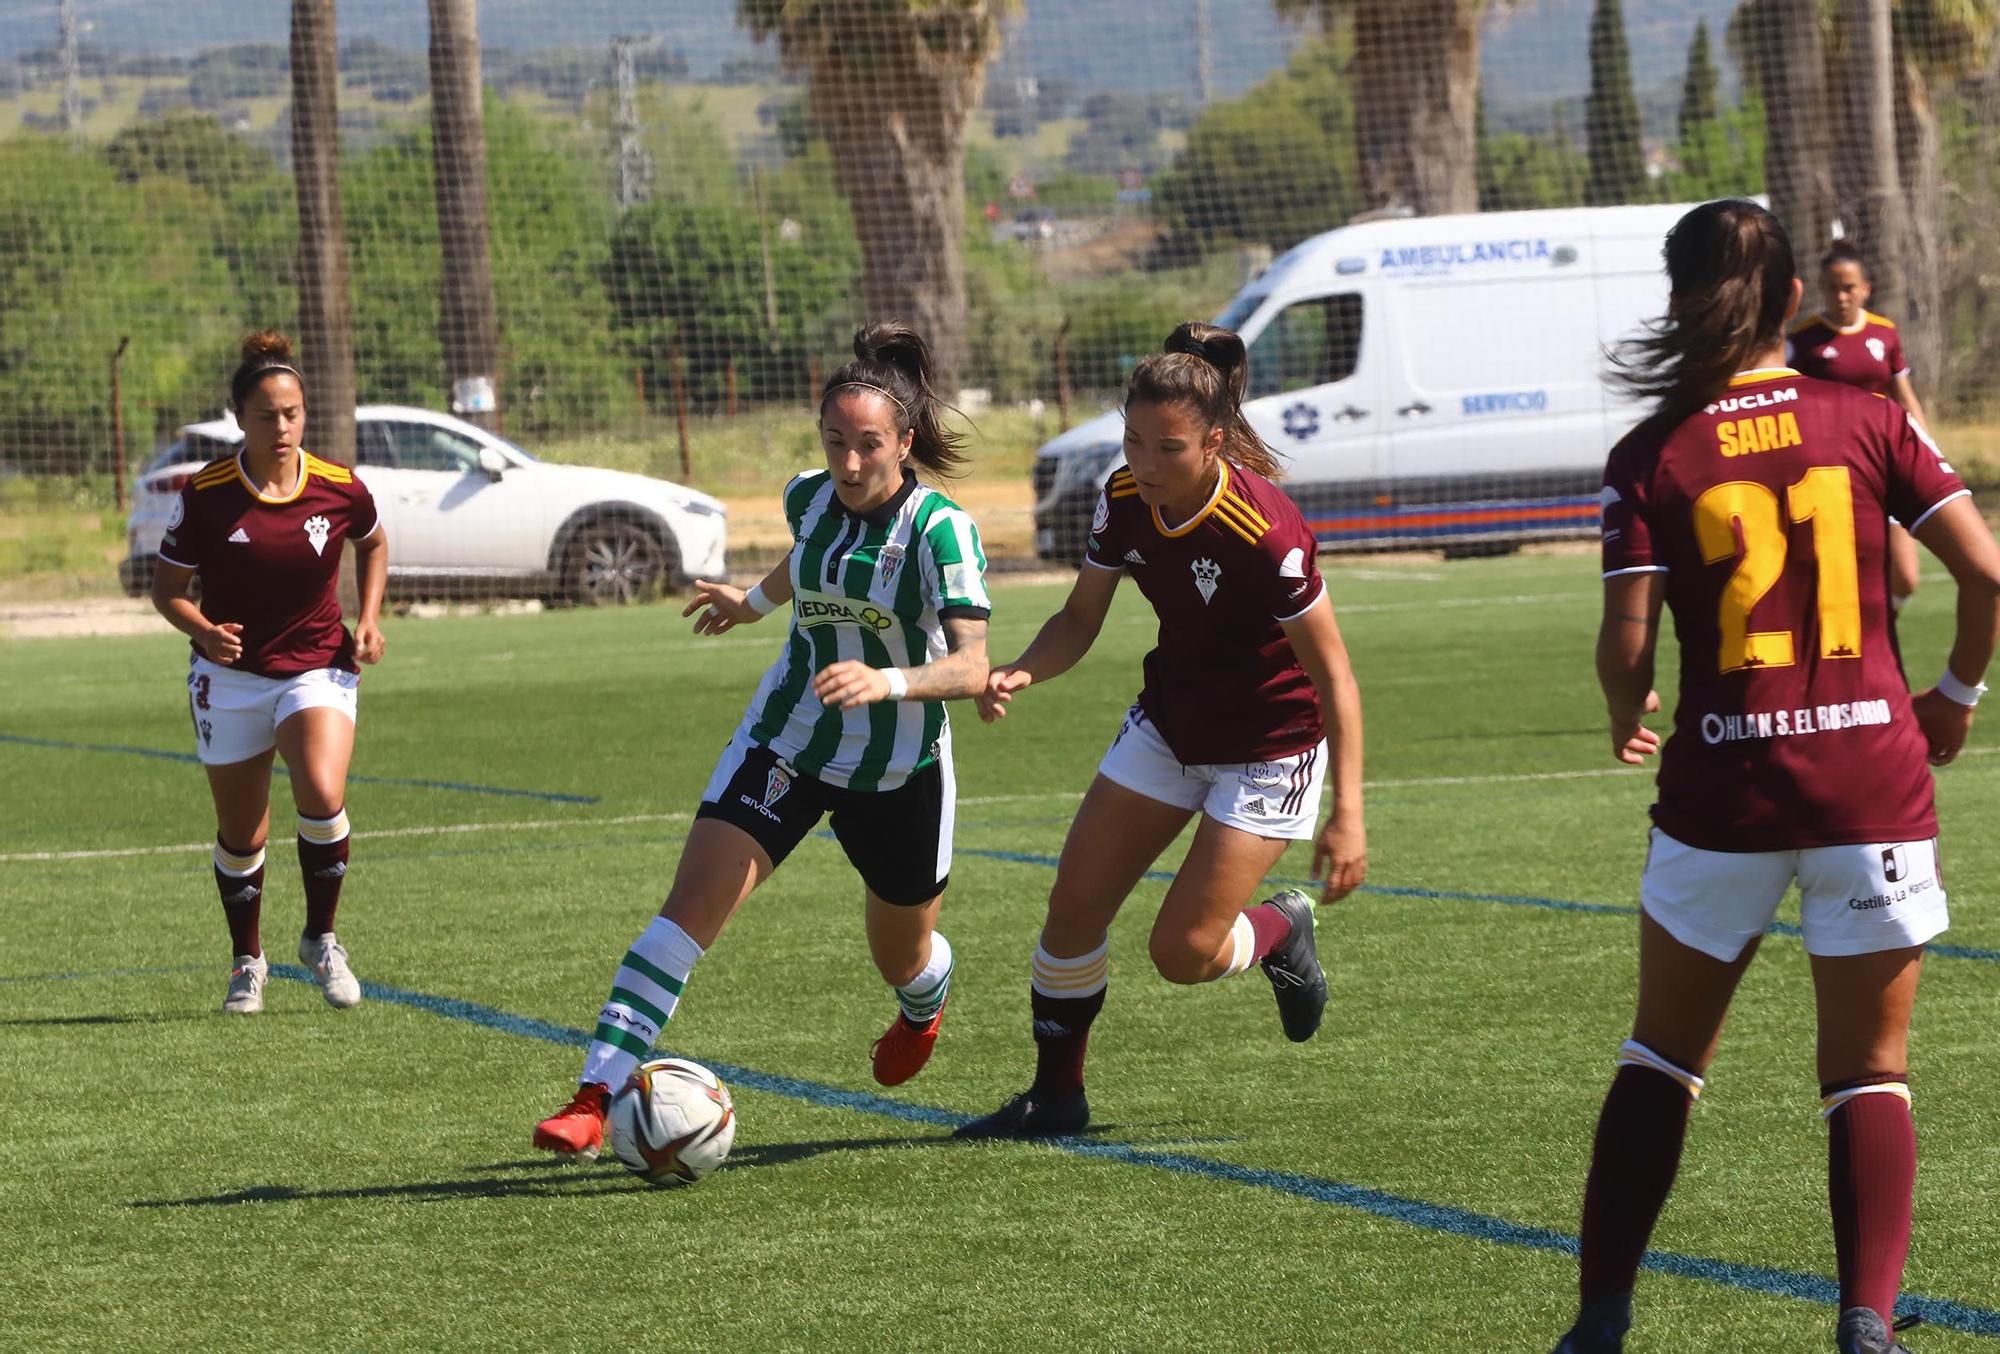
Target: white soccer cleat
x=326 y=958
x=246 y=986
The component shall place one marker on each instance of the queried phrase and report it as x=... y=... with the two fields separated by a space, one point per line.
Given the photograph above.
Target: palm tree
x=1780 y=46
x=326 y=332
x=468 y=321
x=894 y=85
x=1937 y=41
x=1867 y=175
x=1416 y=97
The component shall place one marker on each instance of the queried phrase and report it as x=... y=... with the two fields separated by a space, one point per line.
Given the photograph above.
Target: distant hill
x=1535 y=53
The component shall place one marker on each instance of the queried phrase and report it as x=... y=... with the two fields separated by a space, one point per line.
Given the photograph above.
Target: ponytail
x=1730 y=267
x=892 y=359
x=1208 y=368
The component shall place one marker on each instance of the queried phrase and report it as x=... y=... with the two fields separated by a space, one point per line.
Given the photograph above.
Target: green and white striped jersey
x=872 y=587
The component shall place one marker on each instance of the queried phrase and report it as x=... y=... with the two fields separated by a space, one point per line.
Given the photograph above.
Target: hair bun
x=1220 y=348
x=266 y=344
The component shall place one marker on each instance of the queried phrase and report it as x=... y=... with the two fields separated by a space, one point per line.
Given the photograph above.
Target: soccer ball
x=672 y=1122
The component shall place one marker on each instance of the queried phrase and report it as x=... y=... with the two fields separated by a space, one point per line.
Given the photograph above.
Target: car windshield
x=1242 y=308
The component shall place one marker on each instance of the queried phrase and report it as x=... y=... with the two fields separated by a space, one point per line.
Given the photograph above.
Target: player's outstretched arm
x=1625 y=643
x=371 y=557
x=719 y=607
x=1340 y=855
x=1058 y=646
x=1959 y=536
x=222 y=644
x=960 y=673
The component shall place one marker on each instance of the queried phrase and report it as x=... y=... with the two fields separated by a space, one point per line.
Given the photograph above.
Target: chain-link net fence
x=633 y=236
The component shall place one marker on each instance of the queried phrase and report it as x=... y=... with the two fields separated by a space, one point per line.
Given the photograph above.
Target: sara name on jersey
x=875 y=588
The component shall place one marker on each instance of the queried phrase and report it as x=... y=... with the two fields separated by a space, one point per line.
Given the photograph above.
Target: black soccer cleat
x=1863 y=1331
x=1294 y=971
x=1600 y=1328
x=1031 y=1115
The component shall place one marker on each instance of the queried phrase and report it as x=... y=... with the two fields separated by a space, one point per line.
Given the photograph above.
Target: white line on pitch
x=440 y=830
x=1042 y=796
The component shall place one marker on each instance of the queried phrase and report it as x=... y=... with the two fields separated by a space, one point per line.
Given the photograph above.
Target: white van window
x=1503 y=336
x=1313 y=342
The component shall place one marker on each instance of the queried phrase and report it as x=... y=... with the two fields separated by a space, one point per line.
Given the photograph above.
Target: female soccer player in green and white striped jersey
x=886 y=578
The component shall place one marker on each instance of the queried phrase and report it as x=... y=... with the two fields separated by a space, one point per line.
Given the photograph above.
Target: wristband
x=758 y=602
x=899 y=682
x=1952 y=689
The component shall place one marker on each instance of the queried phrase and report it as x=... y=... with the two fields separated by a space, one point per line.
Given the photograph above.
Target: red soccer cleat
x=902 y=1052
x=577 y=1129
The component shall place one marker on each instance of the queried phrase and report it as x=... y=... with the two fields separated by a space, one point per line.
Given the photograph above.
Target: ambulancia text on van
x=1430 y=382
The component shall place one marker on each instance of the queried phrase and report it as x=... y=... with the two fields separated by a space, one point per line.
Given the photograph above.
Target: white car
x=469 y=512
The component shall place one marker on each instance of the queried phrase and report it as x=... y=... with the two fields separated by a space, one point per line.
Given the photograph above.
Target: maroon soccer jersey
x=272 y=564
x=1222 y=685
x=1768 y=512
x=1869 y=357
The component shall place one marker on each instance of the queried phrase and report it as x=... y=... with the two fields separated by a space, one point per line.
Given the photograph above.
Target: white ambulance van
x=1430 y=382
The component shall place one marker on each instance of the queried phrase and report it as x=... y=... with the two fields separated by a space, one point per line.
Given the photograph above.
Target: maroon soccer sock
x=323 y=864
x=1271 y=927
x=239 y=880
x=1066 y=997
x=1632 y=1167
x=1062 y=1033
x=1871 y=1176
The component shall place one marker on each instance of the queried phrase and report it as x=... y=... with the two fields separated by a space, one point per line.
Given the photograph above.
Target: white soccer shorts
x=1852 y=899
x=1278 y=798
x=237 y=714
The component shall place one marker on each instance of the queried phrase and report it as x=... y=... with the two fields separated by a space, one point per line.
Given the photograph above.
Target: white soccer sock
x=1079 y=977
x=643 y=998
x=1243 y=945
x=923 y=996
x=323 y=831
x=1632 y=1053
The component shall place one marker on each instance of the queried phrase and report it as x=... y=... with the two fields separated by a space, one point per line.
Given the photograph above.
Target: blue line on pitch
x=1443 y=1218
x=164 y=754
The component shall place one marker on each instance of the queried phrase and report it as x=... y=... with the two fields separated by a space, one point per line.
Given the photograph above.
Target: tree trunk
x=1869 y=182
x=1922 y=317
x=1416 y=104
x=899 y=159
x=326 y=332
x=468 y=322
x=1783 y=45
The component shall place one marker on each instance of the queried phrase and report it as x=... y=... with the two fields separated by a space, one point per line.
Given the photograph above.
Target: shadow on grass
x=556 y=1179
x=134 y=1018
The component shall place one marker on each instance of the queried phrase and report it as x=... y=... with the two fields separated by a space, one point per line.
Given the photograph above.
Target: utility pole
x=635 y=172
x=1204 y=55
x=468 y=317
x=326 y=328
x=72 y=69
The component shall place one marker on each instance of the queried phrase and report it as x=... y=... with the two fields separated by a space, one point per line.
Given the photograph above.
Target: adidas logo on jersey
x=239 y=537
x=1134 y=557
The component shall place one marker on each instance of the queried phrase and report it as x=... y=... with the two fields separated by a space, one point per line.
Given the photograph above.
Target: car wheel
x=614 y=563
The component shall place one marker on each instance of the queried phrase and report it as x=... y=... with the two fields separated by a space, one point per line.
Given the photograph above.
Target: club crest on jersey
x=1293 y=565
x=179 y=511
x=317 y=530
x=1102 y=517
x=1878 y=350
x=1207 y=573
x=1894 y=863
x=892 y=560
x=1829 y=352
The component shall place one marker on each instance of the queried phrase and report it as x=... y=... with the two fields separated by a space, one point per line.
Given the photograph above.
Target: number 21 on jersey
x=1823 y=496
